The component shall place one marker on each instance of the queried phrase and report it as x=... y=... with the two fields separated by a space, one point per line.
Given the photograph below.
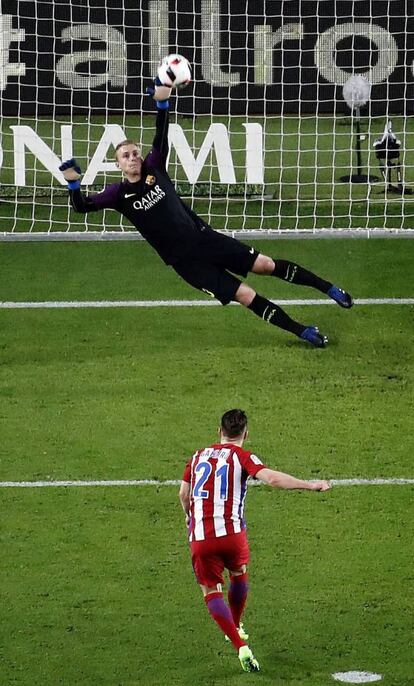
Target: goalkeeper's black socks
x=274 y=314
x=294 y=273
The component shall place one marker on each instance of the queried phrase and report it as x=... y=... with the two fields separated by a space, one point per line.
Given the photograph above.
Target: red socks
x=221 y=614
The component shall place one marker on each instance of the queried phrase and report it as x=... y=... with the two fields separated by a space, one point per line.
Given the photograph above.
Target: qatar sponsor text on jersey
x=218 y=481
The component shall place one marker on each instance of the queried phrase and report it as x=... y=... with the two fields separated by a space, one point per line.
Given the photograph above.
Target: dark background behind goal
x=378 y=36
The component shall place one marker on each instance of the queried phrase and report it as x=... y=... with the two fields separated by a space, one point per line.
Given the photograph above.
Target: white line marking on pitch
x=63 y=304
x=175 y=482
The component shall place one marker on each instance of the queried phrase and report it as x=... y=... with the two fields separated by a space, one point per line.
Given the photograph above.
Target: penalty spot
x=357 y=677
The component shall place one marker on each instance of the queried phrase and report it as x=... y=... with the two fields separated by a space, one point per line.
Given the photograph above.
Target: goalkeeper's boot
x=248 y=660
x=314 y=337
x=241 y=632
x=341 y=297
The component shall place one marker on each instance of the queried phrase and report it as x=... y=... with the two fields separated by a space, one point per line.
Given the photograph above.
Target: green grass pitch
x=96 y=583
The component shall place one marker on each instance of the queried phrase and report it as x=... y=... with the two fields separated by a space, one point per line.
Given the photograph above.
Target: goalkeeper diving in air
x=204 y=258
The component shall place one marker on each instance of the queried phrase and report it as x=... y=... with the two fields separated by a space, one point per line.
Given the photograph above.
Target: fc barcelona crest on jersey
x=150 y=180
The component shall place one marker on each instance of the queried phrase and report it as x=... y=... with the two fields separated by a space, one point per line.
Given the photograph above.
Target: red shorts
x=212 y=556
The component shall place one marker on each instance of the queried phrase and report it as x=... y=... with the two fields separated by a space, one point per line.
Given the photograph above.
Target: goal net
x=263 y=140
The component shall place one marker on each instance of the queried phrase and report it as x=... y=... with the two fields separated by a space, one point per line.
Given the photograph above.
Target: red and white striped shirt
x=218 y=482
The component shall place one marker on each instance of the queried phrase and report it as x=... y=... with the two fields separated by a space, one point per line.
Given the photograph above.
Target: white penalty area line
x=175 y=482
x=78 y=304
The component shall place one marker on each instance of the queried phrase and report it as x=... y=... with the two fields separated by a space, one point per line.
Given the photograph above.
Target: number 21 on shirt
x=204 y=469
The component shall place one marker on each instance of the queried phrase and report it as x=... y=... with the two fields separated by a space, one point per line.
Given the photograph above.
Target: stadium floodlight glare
x=356 y=93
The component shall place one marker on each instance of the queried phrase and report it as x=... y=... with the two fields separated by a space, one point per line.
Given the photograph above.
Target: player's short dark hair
x=233 y=423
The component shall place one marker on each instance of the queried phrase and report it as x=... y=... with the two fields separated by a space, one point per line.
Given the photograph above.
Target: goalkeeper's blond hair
x=127 y=141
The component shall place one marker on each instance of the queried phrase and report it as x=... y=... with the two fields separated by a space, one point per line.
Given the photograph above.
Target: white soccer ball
x=174 y=71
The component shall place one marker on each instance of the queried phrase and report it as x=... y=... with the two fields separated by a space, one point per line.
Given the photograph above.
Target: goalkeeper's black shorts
x=211 y=265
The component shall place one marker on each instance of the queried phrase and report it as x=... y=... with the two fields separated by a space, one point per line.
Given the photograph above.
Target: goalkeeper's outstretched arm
x=160 y=142
x=81 y=202
x=72 y=175
x=161 y=94
x=86 y=203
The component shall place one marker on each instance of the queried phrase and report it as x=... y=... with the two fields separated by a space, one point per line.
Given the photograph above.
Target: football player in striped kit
x=212 y=494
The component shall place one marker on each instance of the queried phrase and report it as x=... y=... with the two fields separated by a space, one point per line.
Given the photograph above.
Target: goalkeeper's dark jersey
x=152 y=204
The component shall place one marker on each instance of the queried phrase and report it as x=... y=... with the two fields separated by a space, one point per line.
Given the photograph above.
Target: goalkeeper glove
x=160 y=94
x=72 y=173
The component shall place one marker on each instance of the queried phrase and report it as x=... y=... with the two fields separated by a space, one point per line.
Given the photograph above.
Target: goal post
x=261 y=141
